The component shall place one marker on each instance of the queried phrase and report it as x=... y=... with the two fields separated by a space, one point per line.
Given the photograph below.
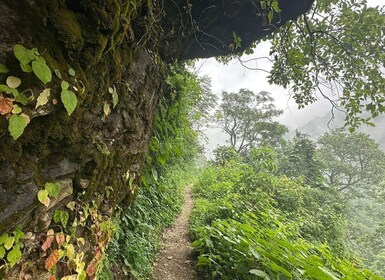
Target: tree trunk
x=113 y=43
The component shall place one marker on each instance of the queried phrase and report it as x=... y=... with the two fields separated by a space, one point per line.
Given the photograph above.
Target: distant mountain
x=319 y=125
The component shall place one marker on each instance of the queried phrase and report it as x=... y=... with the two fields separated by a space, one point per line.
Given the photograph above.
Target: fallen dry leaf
x=48 y=242
x=60 y=238
x=52 y=259
x=6 y=105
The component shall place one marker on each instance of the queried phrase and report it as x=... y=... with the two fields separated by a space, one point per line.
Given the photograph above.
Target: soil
x=176 y=261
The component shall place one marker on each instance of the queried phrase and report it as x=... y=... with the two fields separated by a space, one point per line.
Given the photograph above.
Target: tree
x=262 y=159
x=298 y=159
x=224 y=154
x=247 y=118
x=339 y=47
x=365 y=231
x=353 y=163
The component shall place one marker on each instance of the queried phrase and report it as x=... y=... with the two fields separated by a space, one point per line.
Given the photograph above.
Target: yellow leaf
x=70 y=252
x=106 y=109
x=43 y=97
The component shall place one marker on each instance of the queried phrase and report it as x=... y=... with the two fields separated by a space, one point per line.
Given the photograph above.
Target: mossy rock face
x=87 y=146
x=68 y=28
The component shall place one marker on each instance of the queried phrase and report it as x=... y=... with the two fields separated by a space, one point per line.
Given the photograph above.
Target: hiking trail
x=175 y=261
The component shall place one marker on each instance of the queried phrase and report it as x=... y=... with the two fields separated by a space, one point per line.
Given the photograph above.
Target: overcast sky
x=234 y=76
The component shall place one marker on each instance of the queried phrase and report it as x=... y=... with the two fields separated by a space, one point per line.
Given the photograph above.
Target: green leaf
x=53 y=189
x=18 y=234
x=16 y=109
x=71 y=72
x=202 y=260
x=24 y=55
x=2 y=252
x=3 y=238
x=57 y=73
x=161 y=159
x=64 y=216
x=259 y=273
x=56 y=216
x=275 y=6
x=69 y=100
x=4 y=88
x=9 y=242
x=13 y=82
x=19 y=96
x=42 y=196
x=256 y=254
x=115 y=98
x=64 y=85
x=82 y=275
x=40 y=59
x=16 y=125
x=14 y=256
x=42 y=71
x=328 y=272
x=278 y=268
x=163 y=148
x=61 y=216
x=26 y=68
x=3 y=68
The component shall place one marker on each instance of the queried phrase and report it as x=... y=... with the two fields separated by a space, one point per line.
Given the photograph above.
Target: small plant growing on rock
x=10 y=247
x=13 y=102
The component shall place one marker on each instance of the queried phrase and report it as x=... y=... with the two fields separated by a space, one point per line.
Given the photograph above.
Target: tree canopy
x=298 y=159
x=336 y=50
x=247 y=118
x=353 y=162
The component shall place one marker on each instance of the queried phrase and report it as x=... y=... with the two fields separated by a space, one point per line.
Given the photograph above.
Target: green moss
x=68 y=28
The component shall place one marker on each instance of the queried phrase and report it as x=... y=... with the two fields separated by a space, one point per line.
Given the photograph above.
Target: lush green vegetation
x=248 y=222
x=131 y=253
x=170 y=166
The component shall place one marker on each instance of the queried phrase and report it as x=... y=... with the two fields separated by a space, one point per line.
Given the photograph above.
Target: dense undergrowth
x=136 y=242
x=249 y=223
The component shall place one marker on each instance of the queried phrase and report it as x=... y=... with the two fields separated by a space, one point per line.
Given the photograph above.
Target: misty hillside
x=319 y=125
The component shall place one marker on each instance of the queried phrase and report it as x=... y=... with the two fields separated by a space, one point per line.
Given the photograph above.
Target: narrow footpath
x=175 y=260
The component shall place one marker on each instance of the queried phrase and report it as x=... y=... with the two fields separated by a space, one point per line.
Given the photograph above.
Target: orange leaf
x=52 y=259
x=60 y=238
x=91 y=269
x=52 y=277
x=6 y=105
x=48 y=242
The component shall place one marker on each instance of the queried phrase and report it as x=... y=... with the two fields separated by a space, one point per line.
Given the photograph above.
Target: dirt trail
x=175 y=260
